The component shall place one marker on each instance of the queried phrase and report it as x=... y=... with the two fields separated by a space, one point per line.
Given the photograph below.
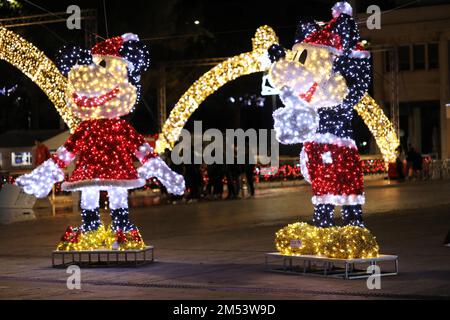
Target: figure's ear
x=136 y=53
x=345 y=26
x=71 y=55
x=276 y=52
x=304 y=29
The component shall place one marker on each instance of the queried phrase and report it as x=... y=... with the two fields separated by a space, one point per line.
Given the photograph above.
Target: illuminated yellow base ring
x=101 y=239
x=337 y=242
x=245 y=64
x=39 y=68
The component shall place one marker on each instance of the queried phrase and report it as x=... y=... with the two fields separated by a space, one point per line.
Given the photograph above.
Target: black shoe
x=352 y=216
x=323 y=215
x=91 y=220
x=120 y=220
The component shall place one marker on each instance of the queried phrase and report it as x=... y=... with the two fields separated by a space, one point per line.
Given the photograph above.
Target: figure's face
x=309 y=68
x=100 y=90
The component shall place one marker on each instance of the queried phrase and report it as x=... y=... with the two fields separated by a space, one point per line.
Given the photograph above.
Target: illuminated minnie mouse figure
x=321 y=79
x=103 y=85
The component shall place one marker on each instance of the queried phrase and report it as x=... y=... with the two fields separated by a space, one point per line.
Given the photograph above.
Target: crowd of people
x=207 y=182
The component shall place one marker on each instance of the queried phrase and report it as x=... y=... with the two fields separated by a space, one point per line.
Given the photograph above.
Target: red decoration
x=71 y=235
x=325 y=37
x=89 y=102
x=105 y=149
x=307 y=96
x=135 y=236
x=121 y=237
x=124 y=237
x=109 y=47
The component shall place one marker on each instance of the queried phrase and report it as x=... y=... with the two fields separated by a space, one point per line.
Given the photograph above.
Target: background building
x=17 y=148
x=411 y=73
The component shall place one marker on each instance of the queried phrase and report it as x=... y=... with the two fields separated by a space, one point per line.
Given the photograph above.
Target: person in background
x=409 y=161
x=417 y=165
x=215 y=186
x=249 y=169
x=40 y=153
x=250 y=177
x=230 y=182
x=399 y=164
x=233 y=174
x=218 y=181
x=193 y=180
x=236 y=171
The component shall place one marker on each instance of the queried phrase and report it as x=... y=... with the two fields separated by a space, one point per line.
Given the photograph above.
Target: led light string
x=237 y=66
x=40 y=69
x=33 y=63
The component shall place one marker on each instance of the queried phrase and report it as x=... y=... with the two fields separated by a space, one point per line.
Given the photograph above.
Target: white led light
x=118 y=198
x=327 y=157
x=296 y=122
x=90 y=198
x=156 y=167
x=41 y=180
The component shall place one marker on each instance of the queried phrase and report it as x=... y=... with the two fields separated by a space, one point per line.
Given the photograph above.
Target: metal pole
x=162 y=112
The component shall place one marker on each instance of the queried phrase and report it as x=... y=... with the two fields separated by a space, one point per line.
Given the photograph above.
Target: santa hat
x=114 y=47
x=325 y=37
x=330 y=35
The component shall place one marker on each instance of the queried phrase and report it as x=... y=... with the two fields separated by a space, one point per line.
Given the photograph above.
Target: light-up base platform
x=330 y=267
x=103 y=258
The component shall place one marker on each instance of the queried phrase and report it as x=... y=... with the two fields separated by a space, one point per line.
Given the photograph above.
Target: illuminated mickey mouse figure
x=321 y=79
x=103 y=85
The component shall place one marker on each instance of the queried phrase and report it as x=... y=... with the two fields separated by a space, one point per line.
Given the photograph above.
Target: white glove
x=41 y=180
x=297 y=121
x=156 y=167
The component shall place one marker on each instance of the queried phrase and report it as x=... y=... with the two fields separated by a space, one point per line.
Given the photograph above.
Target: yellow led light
x=40 y=69
x=101 y=239
x=250 y=62
x=379 y=125
x=95 y=81
x=211 y=81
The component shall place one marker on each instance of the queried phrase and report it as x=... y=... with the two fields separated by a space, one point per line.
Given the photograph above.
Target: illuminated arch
x=39 y=68
x=379 y=125
x=229 y=70
x=252 y=62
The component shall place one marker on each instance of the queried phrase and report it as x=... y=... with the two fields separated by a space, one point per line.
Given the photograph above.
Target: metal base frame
x=103 y=258
x=329 y=267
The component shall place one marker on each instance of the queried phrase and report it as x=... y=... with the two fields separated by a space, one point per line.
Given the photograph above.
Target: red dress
x=106 y=152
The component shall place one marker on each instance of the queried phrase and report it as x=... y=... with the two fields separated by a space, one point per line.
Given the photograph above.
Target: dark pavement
x=215 y=250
